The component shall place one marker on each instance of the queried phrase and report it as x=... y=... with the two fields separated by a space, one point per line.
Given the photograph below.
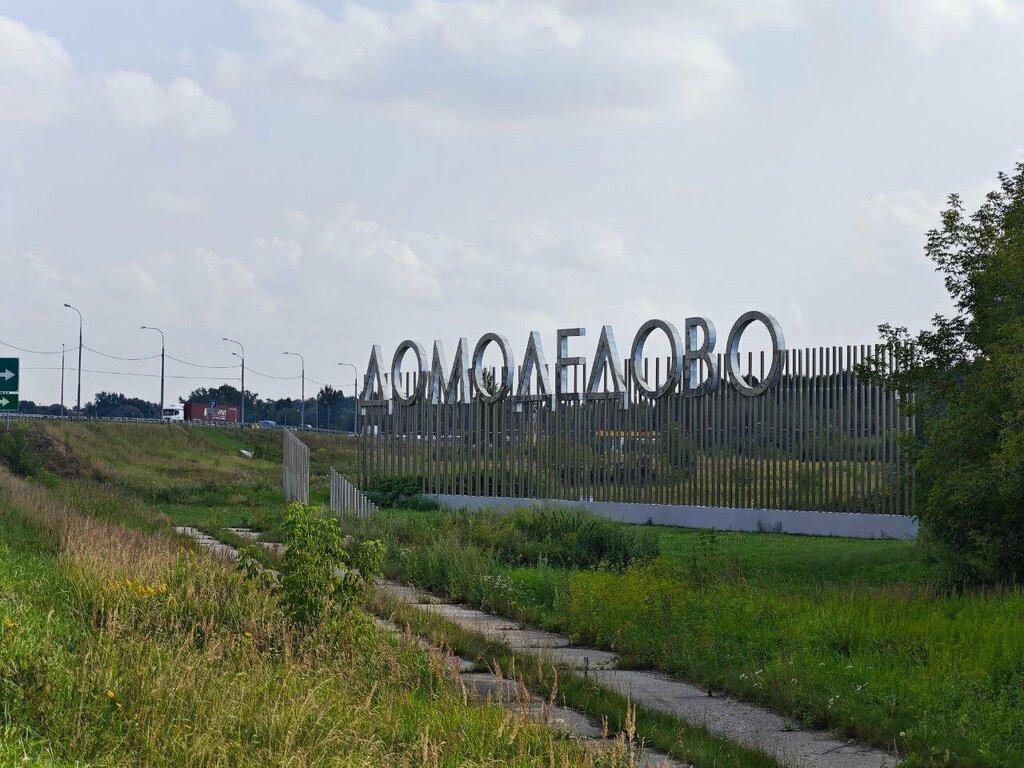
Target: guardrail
x=190 y=422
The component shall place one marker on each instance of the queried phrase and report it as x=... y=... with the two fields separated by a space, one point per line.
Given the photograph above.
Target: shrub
x=399 y=492
x=560 y=537
x=323 y=575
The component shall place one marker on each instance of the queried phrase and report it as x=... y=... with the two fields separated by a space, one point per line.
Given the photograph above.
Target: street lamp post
x=78 y=406
x=242 y=358
x=302 y=402
x=355 y=397
x=150 y=328
x=62 y=380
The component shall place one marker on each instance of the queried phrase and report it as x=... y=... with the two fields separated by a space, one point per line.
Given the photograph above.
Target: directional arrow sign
x=9 y=378
x=8 y=402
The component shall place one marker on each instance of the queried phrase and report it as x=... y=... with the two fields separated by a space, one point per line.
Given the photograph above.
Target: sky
x=318 y=176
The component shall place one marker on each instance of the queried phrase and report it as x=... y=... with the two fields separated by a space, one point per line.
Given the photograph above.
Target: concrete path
x=747 y=724
x=484 y=686
x=208 y=542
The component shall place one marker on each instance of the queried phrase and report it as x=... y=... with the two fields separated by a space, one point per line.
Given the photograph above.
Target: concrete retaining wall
x=858 y=526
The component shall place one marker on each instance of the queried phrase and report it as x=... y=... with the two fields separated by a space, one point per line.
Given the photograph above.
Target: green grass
x=801 y=560
x=210 y=673
x=193 y=475
x=842 y=634
x=116 y=648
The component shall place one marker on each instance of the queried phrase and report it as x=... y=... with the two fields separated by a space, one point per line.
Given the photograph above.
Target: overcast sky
x=317 y=176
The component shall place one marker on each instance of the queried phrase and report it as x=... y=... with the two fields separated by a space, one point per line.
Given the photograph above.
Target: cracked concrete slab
x=468 y=617
x=207 y=542
x=402 y=592
x=744 y=723
x=528 y=639
x=244 y=533
x=582 y=659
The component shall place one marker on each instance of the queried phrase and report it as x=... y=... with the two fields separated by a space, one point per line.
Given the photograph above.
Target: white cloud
x=469 y=60
x=198 y=288
x=38 y=85
x=137 y=101
x=43 y=268
x=909 y=208
x=928 y=23
x=175 y=202
x=35 y=74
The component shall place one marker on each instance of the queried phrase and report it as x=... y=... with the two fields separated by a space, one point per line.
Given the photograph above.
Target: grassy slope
x=194 y=475
x=116 y=647
x=126 y=474
x=841 y=633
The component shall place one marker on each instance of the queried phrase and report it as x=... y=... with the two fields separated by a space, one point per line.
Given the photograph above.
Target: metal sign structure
x=10 y=381
x=789 y=429
x=466 y=378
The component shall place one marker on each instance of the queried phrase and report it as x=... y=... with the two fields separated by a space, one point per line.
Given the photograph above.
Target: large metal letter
x=607 y=359
x=508 y=368
x=375 y=390
x=455 y=388
x=563 y=362
x=675 y=370
x=732 y=361
x=535 y=366
x=705 y=351
x=397 y=385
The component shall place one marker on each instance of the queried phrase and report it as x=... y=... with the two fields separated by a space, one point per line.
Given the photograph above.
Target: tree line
x=328 y=409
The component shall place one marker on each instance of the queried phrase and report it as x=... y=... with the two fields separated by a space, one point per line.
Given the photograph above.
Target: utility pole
x=242 y=358
x=62 y=380
x=302 y=402
x=78 y=406
x=149 y=328
x=355 y=397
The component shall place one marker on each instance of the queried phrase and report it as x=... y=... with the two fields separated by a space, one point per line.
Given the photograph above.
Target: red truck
x=226 y=414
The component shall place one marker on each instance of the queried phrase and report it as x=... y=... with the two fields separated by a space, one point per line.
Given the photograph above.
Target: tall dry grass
x=163 y=657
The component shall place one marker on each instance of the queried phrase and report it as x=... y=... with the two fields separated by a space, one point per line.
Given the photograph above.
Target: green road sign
x=8 y=402
x=9 y=377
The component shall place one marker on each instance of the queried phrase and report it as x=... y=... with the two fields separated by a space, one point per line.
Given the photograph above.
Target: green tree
x=329 y=400
x=118 y=405
x=968 y=374
x=225 y=394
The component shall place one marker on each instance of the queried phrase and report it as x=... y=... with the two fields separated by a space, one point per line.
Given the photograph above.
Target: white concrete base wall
x=853 y=525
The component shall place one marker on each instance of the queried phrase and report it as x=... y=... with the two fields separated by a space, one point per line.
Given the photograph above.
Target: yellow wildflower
x=9 y=622
x=110 y=694
x=248 y=634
